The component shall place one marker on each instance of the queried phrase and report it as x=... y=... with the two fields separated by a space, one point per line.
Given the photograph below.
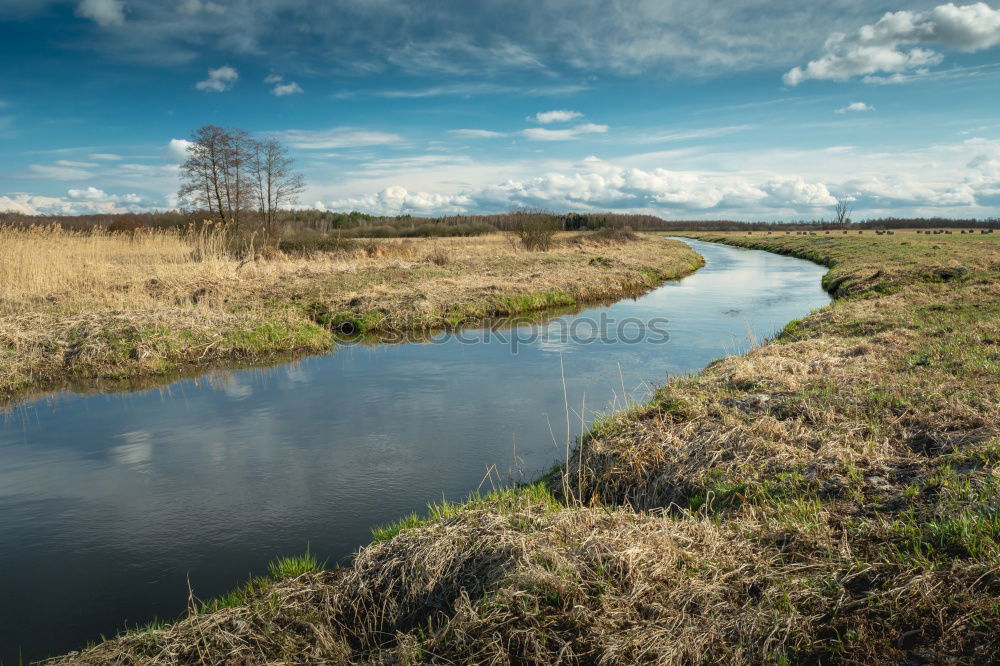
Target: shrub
x=305 y=243
x=611 y=235
x=535 y=229
x=438 y=256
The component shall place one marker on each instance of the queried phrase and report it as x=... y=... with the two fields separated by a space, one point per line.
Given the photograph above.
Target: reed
x=98 y=304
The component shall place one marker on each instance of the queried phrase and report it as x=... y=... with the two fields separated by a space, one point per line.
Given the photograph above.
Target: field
x=829 y=497
x=78 y=307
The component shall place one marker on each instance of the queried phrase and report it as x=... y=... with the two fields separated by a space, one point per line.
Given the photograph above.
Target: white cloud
x=796 y=192
x=599 y=185
x=103 y=12
x=282 y=89
x=78 y=202
x=20 y=203
x=557 y=116
x=58 y=172
x=219 y=80
x=855 y=107
x=476 y=134
x=686 y=135
x=105 y=157
x=176 y=150
x=881 y=48
x=542 y=134
x=472 y=89
x=952 y=180
x=337 y=137
x=406 y=165
x=91 y=193
x=199 y=6
x=72 y=163
x=399 y=201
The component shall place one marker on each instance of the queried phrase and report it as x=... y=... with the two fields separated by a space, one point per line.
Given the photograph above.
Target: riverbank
x=829 y=497
x=86 y=306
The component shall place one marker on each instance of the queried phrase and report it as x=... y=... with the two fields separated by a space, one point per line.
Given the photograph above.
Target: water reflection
x=108 y=503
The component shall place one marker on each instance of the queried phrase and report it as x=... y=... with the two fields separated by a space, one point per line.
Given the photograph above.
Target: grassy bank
x=96 y=305
x=830 y=497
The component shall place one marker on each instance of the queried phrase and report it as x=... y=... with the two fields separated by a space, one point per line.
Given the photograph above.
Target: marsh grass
x=280 y=569
x=506 y=501
x=94 y=305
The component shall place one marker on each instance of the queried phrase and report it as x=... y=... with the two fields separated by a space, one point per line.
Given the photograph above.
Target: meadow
x=830 y=497
x=94 y=305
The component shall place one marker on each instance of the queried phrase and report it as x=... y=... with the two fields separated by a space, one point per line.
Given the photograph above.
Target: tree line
x=229 y=174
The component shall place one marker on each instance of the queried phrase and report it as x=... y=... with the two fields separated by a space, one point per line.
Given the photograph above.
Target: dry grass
x=829 y=498
x=91 y=305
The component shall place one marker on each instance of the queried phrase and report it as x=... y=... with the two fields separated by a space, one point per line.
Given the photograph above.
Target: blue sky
x=747 y=109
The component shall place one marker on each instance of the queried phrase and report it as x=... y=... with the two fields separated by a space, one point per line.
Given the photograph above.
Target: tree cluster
x=231 y=175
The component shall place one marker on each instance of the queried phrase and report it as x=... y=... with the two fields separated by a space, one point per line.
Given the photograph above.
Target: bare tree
x=275 y=183
x=229 y=173
x=235 y=157
x=842 y=211
x=202 y=179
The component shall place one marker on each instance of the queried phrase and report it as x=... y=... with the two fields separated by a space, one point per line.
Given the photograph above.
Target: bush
x=611 y=235
x=305 y=243
x=438 y=256
x=535 y=229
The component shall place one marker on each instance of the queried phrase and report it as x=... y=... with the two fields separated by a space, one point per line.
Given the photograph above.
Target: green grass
x=508 y=501
x=277 y=570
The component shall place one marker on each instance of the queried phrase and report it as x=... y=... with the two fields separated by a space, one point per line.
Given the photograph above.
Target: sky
x=745 y=109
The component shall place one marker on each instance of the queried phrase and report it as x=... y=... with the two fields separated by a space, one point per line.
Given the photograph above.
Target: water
x=110 y=503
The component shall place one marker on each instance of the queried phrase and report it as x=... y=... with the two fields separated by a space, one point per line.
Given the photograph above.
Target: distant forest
x=326 y=221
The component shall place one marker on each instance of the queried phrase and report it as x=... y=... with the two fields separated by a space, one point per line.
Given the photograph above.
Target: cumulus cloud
x=543 y=134
x=290 y=88
x=601 y=185
x=104 y=13
x=77 y=202
x=884 y=48
x=796 y=192
x=855 y=107
x=557 y=116
x=476 y=134
x=219 y=80
x=281 y=87
x=176 y=150
x=91 y=193
x=397 y=200
x=20 y=203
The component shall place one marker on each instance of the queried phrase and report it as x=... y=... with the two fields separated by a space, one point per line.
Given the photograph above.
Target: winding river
x=110 y=503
